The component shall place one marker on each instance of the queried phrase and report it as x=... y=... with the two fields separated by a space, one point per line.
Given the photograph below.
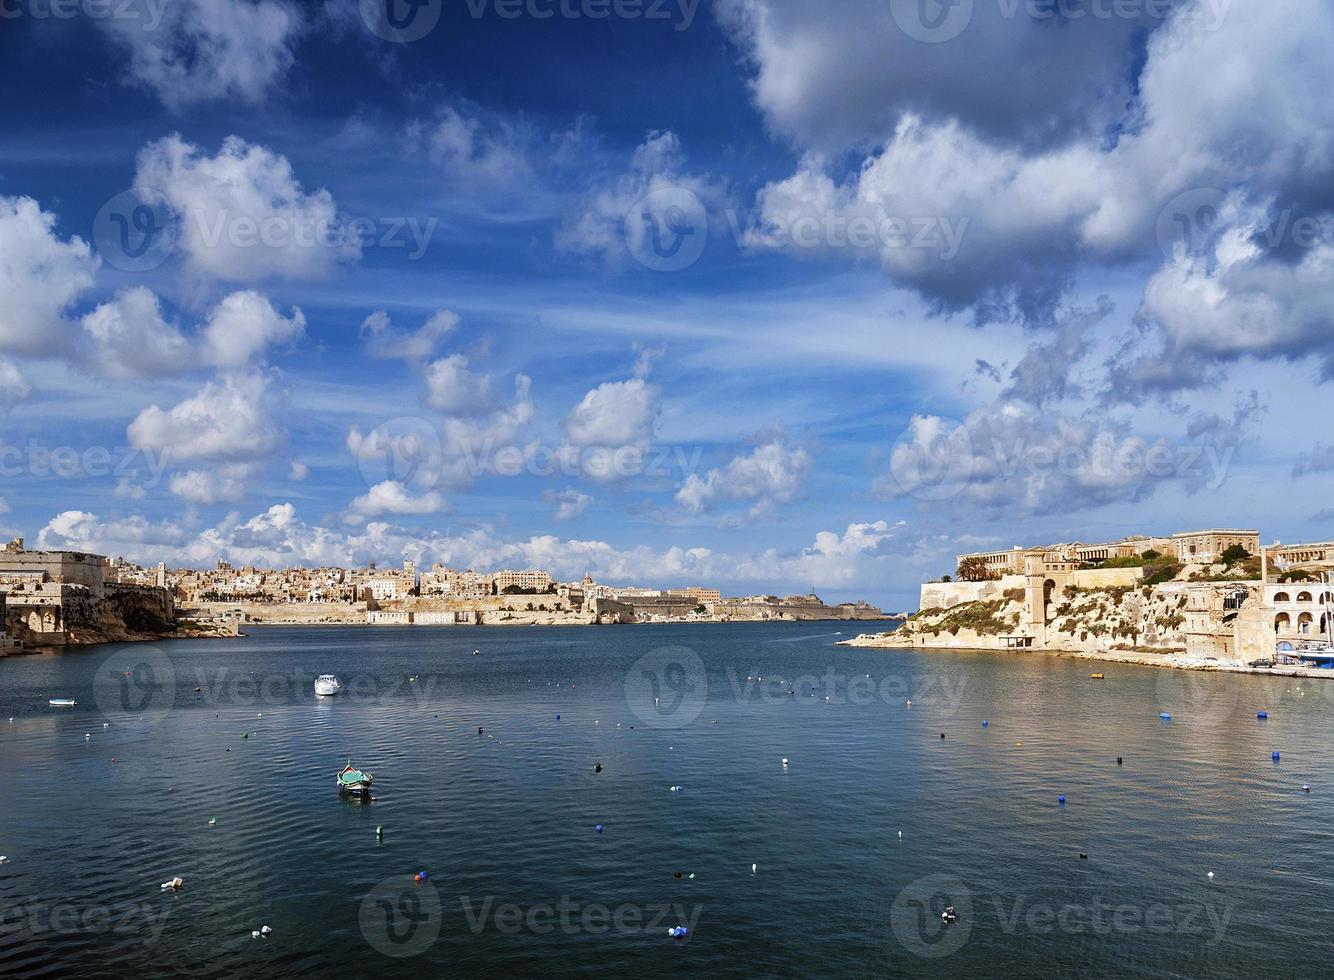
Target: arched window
x=1282 y=597
x=1282 y=623
x=1303 y=597
x=1304 y=622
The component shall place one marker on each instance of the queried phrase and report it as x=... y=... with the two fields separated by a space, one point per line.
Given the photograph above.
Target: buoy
x=1165 y=716
x=5 y=860
x=212 y=821
x=679 y=875
x=942 y=735
x=753 y=867
x=1083 y=856
x=421 y=876
x=175 y=884
x=265 y=931
x=598 y=828
x=254 y=934
x=479 y=729
x=985 y=723
x=87 y=735
x=1060 y=800
x=1262 y=715
x=1305 y=788
x=1274 y=755
x=1211 y=874
x=785 y=762
x=379 y=832
x=558 y=717
x=1118 y=760
x=900 y=835
x=598 y=767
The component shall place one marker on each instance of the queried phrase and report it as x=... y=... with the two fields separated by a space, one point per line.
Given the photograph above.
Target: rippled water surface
x=522 y=884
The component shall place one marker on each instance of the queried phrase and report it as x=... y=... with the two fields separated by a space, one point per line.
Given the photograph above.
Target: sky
x=766 y=295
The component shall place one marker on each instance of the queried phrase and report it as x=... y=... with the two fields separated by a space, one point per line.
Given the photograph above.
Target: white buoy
x=3 y=859
x=265 y=931
x=784 y=762
x=1211 y=874
x=753 y=867
x=900 y=835
x=254 y=934
x=175 y=884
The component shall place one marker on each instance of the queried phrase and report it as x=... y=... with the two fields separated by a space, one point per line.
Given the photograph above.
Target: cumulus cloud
x=128 y=338
x=773 y=473
x=385 y=342
x=40 y=278
x=14 y=387
x=1037 y=208
x=484 y=152
x=189 y=51
x=225 y=425
x=454 y=389
x=242 y=215
x=656 y=183
x=392 y=497
x=570 y=503
x=244 y=326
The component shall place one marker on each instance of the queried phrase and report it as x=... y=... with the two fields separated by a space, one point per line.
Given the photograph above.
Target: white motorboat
x=326 y=685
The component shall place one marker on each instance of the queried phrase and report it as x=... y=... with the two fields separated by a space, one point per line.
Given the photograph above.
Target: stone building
x=1206 y=547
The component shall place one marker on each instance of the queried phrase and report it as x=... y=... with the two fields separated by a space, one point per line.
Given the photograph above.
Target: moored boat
x=326 y=685
x=62 y=703
x=353 y=781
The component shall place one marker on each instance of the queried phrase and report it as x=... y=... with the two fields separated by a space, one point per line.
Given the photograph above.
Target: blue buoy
x=1060 y=800
x=558 y=717
x=985 y=723
x=1274 y=755
x=1165 y=716
x=1262 y=715
x=598 y=828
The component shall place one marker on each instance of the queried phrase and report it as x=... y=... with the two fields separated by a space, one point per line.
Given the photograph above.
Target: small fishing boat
x=62 y=703
x=326 y=685
x=1096 y=677
x=353 y=782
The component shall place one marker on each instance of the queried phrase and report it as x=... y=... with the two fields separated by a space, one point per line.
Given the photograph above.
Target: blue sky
x=754 y=293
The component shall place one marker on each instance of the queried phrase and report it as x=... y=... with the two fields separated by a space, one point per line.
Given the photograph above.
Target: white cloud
x=128 y=338
x=385 y=342
x=242 y=215
x=570 y=503
x=242 y=328
x=189 y=51
x=392 y=497
x=40 y=278
x=455 y=390
x=770 y=475
x=657 y=179
x=14 y=387
x=615 y=414
x=485 y=153
x=225 y=424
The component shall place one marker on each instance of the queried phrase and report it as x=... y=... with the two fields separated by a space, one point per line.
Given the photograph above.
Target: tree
x=974 y=570
x=1234 y=554
x=1151 y=554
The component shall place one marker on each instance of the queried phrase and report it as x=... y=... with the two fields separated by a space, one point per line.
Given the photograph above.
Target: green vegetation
x=974 y=570
x=1233 y=554
x=1151 y=554
x=1162 y=569
x=1129 y=561
x=1296 y=575
x=981 y=617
